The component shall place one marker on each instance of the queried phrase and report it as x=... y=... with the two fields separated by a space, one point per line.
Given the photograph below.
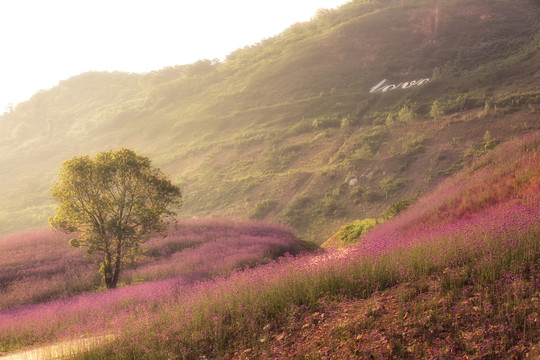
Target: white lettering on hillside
x=403 y=85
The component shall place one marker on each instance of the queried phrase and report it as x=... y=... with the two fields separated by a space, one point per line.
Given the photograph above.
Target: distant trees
x=320 y=13
x=114 y=203
x=406 y=114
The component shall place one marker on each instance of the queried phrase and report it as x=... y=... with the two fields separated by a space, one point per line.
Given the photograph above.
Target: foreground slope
x=475 y=292
x=278 y=130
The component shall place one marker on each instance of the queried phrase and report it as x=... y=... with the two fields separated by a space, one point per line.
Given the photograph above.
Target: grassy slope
x=450 y=311
x=279 y=128
x=453 y=276
x=439 y=281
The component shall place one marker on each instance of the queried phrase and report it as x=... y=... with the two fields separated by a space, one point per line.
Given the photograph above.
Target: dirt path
x=61 y=350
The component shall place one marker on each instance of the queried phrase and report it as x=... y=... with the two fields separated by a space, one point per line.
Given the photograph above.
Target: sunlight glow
x=44 y=42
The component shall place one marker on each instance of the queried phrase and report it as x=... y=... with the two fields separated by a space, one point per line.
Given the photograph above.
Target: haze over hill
x=295 y=129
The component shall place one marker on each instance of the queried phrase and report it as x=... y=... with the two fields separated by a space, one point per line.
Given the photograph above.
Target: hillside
x=279 y=129
x=455 y=276
x=461 y=280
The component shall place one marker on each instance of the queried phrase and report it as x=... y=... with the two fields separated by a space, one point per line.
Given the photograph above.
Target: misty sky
x=44 y=42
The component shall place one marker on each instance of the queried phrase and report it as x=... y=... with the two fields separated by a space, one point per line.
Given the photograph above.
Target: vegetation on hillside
x=428 y=188
x=277 y=129
x=453 y=279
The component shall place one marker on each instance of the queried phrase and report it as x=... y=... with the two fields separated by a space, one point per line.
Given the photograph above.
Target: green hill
x=279 y=129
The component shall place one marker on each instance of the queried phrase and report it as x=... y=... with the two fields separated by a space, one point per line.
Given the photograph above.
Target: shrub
x=406 y=114
x=392 y=184
x=358 y=194
x=398 y=207
x=436 y=110
x=412 y=145
x=330 y=205
x=263 y=208
x=326 y=122
x=295 y=214
x=349 y=233
x=481 y=147
x=346 y=121
x=371 y=196
x=301 y=127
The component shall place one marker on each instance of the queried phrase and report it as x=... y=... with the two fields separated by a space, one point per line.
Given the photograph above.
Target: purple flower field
x=479 y=233
x=39 y=267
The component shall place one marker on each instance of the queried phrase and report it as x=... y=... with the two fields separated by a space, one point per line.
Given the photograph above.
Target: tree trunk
x=117 y=264
x=116 y=273
x=108 y=283
x=107 y=270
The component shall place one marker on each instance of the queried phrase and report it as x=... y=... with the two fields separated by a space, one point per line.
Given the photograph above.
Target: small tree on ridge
x=114 y=203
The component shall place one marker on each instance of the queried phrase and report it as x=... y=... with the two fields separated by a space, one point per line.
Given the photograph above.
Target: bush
x=296 y=213
x=398 y=207
x=481 y=147
x=351 y=232
x=371 y=196
x=326 y=122
x=301 y=127
x=330 y=206
x=406 y=114
x=392 y=184
x=346 y=122
x=263 y=208
x=437 y=110
x=358 y=194
x=412 y=145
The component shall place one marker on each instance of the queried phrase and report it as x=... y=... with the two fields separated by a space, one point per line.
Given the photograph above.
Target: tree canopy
x=114 y=203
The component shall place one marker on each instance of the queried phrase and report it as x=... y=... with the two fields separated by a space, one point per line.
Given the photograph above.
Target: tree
x=115 y=203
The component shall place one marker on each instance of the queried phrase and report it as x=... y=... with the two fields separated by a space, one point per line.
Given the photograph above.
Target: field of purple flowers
x=463 y=265
x=42 y=278
x=249 y=309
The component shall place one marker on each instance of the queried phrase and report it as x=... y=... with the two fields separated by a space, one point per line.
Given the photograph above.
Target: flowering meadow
x=39 y=266
x=40 y=270
x=455 y=276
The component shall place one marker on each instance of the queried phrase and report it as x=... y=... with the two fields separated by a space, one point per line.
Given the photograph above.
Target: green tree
x=114 y=203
